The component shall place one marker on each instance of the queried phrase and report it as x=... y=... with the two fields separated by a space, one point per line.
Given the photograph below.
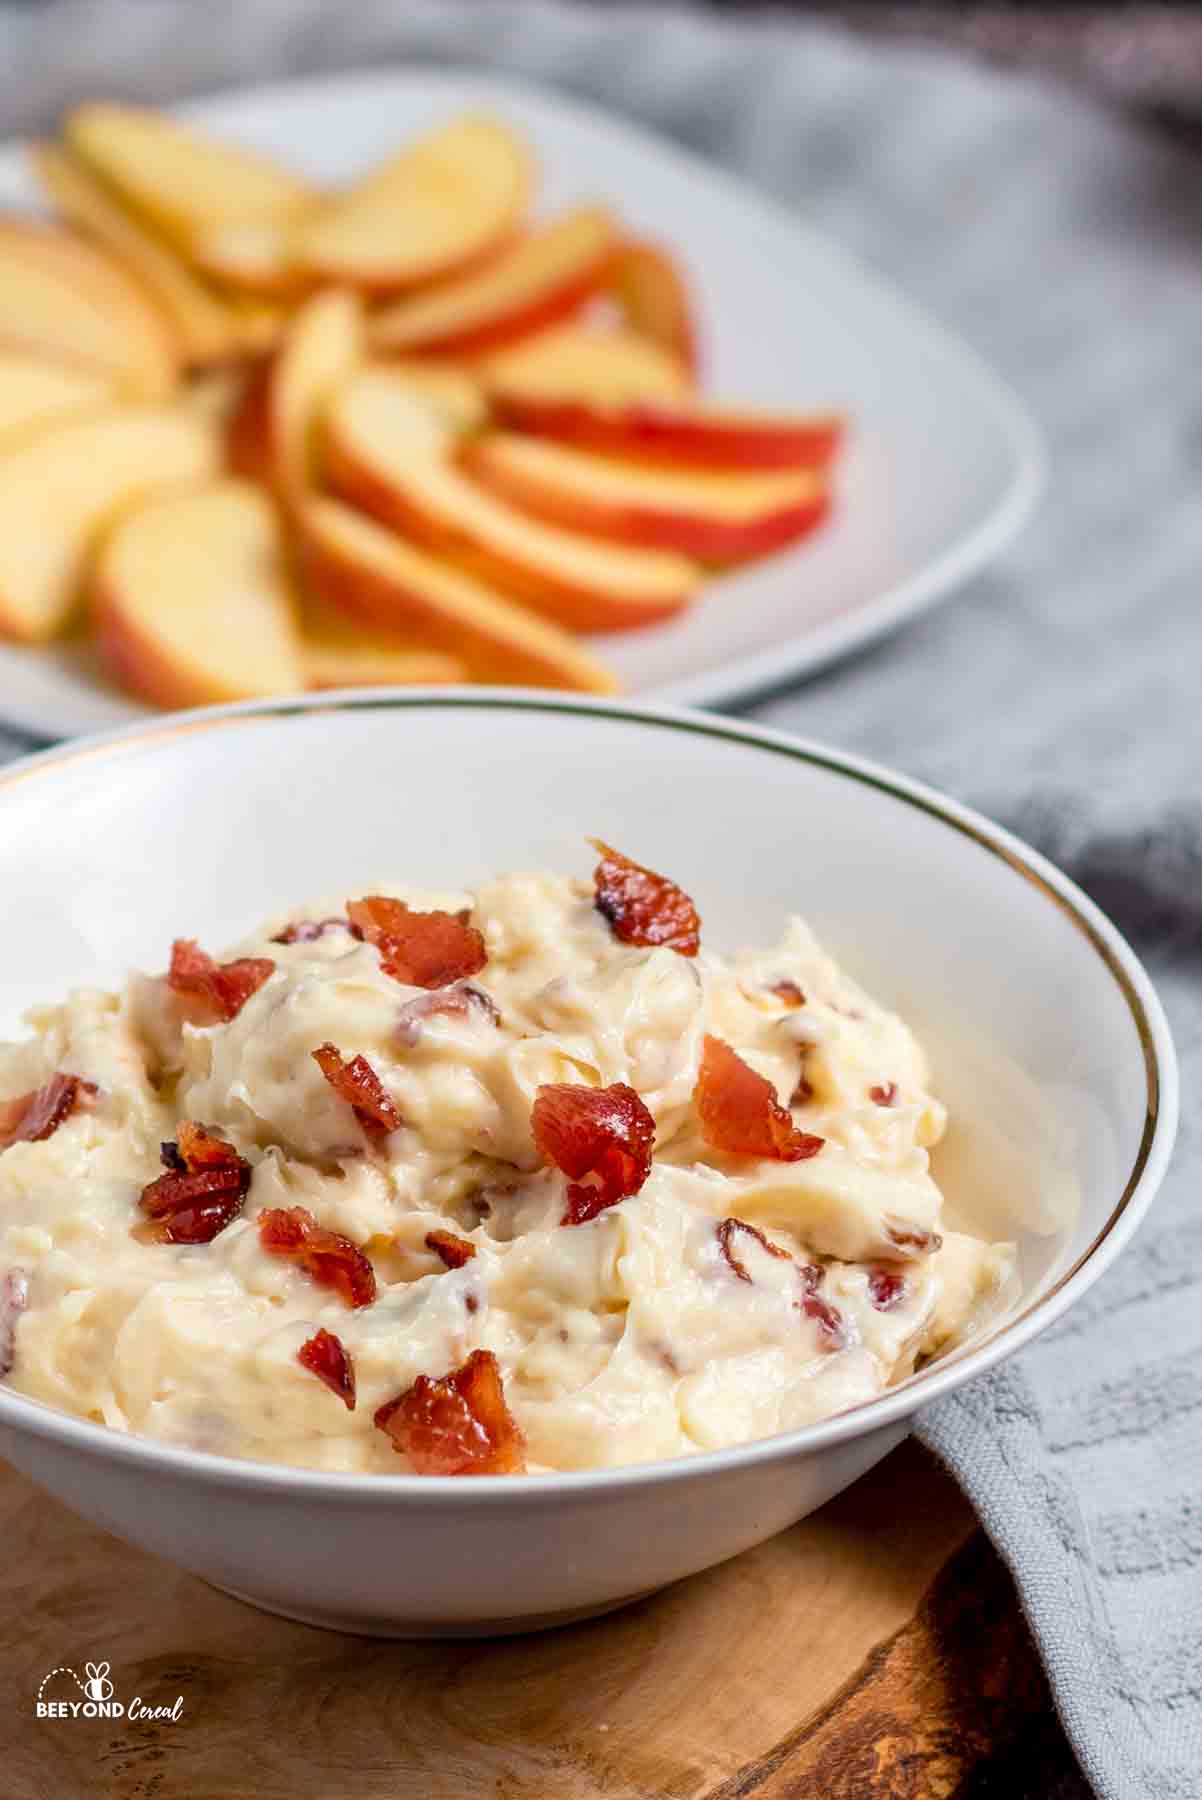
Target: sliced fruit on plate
x=386 y=452
x=62 y=298
x=337 y=653
x=572 y=365
x=203 y=323
x=58 y=490
x=185 y=182
x=192 y=602
x=717 y=517
x=370 y=574
x=447 y=201
x=649 y=287
x=545 y=277
x=272 y=433
x=35 y=392
x=691 y=432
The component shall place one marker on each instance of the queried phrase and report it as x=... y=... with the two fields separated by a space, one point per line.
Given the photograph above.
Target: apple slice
x=647 y=283
x=688 y=432
x=58 y=490
x=184 y=182
x=192 y=602
x=572 y=363
x=203 y=323
x=34 y=392
x=445 y=203
x=374 y=576
x=453 y=394
x=62 y=298
x=253 y=256
x=337 y=653
x=388 y=453
x=271 y=437
x=717 y=517
x=545 y=277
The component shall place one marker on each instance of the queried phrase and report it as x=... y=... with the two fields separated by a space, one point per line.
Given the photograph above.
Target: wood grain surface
x=876 y=1649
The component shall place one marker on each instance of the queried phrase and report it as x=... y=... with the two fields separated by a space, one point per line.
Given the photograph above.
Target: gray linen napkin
x=1060 y=692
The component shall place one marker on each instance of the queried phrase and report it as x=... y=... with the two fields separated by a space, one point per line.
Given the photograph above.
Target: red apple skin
x=580 y=609
x=363 y=595
x=652 y=528
x=649 y=286
x=138 y=666
x=665 y=434
x=248 y=446
x=535 y=315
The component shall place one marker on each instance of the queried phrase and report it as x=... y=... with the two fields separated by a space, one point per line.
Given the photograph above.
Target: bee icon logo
x=99 y=1687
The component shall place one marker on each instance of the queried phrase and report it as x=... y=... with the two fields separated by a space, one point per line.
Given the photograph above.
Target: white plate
x=943 y=468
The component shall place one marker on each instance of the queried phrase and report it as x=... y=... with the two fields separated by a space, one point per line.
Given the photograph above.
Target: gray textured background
x=1060 y=693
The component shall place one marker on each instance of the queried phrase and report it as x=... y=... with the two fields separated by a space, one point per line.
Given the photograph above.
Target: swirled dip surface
x=659 y=1326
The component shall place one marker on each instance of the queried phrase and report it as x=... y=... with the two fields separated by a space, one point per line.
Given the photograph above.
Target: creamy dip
x=653 y=1329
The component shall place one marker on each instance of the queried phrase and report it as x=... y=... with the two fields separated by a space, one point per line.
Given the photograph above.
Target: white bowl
x=1046 y=1037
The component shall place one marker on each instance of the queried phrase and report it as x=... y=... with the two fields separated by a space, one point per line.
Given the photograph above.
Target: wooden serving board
x=876 y=1649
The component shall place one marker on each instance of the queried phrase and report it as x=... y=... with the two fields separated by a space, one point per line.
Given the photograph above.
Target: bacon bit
x=201 y=1193
x=885 y=1287
x=454 y=1251
x=884 y=1096
x=462 y=998
x=603 y=1132
x=726 y=1231
x=221 y=989
x=826 y=1317
x=458 y=1425
x=14 y=1298
x=911 y=1237
x=422 y=949
x=643 y=907
x=38 y=1115
x=325 y=1356
x=328 y=1258
x=307 y=931
x=739 y=1110
x=357 y=1083
x=789 y=992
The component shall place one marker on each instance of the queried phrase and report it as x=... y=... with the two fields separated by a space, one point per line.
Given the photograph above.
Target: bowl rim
x=19 y=1412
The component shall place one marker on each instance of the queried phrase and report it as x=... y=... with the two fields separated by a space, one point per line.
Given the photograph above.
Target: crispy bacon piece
x=884 y=1095
x=885 y=1287
x=328 y=1258
x=358 y=1084
x=202 y=1191
x=38 y=1115
x=14 y=1298
x=461 y=998
x=458 y=1425
x=726 y=1232
x=789 y=992
x=603 y=1132
x=325 y=1356
x=307 y=931
x=643 y=907
x=219 y=989
x=904 y=1236
x=454 y=1251
x=828 y=1319
x=739 y=1110
x=422 y=949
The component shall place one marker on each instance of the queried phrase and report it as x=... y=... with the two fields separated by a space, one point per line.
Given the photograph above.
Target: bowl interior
x=200 y=828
